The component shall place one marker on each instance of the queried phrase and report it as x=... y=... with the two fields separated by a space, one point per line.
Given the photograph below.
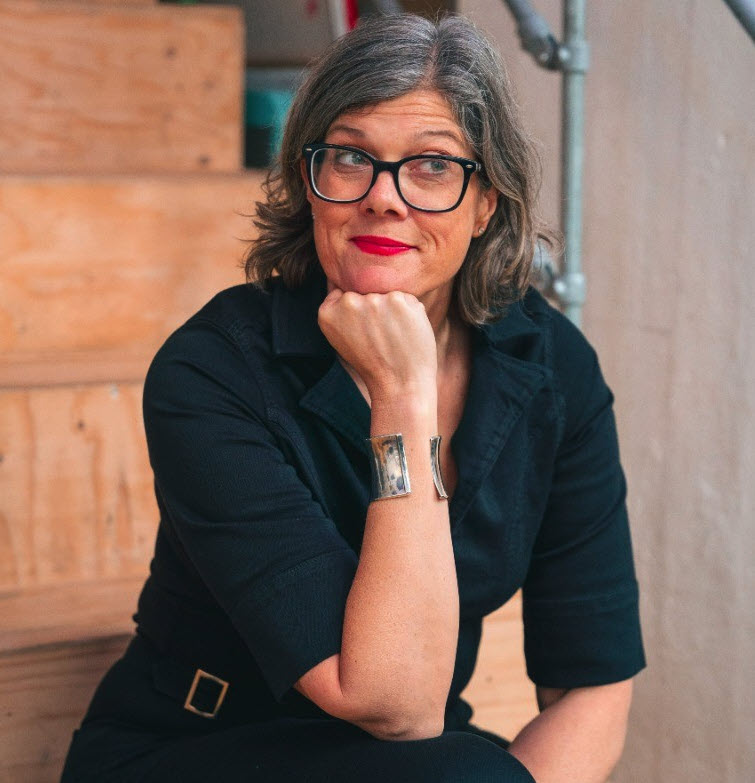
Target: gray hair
x=383 y=58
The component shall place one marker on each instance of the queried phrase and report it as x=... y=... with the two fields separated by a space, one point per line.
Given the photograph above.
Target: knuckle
x=350 y=300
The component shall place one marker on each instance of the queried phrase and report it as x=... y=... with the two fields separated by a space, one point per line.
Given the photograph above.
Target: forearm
x=579 y=738
x=401 y=619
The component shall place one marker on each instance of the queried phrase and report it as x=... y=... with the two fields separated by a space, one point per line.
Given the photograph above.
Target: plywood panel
x=67 y=613
x=44 y=696
x=502 y=696
x=106 y=2
x=98 y=271
x=76 y=497
x=88 y=88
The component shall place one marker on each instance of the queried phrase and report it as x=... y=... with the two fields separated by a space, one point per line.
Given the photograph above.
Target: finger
x=333 y=296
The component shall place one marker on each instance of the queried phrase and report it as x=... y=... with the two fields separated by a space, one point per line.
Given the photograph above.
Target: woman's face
x=349 y=237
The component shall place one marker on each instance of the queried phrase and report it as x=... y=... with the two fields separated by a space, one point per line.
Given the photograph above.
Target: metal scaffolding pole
x=570 y=287
x=572 y=58
x=744 y=10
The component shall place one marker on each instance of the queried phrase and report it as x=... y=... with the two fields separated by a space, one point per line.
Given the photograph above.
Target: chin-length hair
x=383 y=58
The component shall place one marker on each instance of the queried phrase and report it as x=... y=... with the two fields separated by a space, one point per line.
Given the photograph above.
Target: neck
x=448 y=328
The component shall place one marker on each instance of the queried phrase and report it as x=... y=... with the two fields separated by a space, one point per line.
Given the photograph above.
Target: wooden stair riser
x=89 y=88
x=98 y=271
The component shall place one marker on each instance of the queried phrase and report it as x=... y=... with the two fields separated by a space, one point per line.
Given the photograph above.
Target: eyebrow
x=428 y=132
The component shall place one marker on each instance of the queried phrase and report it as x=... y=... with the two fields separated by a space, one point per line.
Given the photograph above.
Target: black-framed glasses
x=429 y=183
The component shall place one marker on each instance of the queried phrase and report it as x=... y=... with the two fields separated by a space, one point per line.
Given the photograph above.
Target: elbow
x=379 y=716
x=402 y=722
x=396 y=720
x=402 y=731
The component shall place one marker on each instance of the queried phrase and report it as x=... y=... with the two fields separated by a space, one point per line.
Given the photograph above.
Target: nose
x=383 y=197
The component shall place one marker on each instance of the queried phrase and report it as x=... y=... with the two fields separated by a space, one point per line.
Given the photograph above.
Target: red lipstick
x=380 y=246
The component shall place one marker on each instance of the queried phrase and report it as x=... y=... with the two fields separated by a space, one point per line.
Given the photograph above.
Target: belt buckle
x=200 y=675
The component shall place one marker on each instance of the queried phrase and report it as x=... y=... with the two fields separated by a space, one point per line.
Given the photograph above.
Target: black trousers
x=121 y=741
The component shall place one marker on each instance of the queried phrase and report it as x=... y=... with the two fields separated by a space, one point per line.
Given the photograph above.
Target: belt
x=197 y=690
x=224 y=695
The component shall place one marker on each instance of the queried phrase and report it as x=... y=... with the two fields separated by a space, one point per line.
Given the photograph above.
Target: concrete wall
x=670 y=264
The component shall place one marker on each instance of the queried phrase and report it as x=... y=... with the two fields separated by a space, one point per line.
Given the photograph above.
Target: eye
x=349 y=159
x=436 y=166
x=430 y=167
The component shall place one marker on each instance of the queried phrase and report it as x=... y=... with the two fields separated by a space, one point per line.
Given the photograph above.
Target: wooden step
x=98 y=271
x=68 y=614
x=88 y=88
x=45 y=693
x=76 y=486
x=115 y=2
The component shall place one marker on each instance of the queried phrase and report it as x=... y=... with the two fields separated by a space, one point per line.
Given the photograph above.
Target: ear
x=486 y=206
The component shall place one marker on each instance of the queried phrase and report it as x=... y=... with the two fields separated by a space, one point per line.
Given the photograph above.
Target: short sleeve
x=580 y=597
x=248 y=523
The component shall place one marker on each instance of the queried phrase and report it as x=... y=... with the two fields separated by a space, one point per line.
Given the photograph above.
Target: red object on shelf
x=352 y=13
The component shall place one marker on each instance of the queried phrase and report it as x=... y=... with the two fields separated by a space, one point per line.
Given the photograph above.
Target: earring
x=481 y=230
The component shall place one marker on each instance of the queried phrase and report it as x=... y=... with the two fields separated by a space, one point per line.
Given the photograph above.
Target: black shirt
x=256 y=436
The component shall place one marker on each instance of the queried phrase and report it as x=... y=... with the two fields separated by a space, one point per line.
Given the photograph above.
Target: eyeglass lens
x=425 y=183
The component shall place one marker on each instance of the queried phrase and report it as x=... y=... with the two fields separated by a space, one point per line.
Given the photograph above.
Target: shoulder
x=565 y=345
x=214 y=349
x=570 y=357
x=233 y=315
x=237 y=310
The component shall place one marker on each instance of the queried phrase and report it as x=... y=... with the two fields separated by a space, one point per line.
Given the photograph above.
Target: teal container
x=265 y=119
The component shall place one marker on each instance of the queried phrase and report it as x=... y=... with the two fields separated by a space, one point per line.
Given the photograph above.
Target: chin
x=375 y=280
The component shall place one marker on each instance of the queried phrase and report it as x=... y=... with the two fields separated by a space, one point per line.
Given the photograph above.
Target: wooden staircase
x=122 y=205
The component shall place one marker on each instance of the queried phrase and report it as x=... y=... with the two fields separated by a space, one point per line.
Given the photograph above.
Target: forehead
x=421 y=112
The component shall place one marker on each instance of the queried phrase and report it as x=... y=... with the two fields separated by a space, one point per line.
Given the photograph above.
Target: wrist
x=408 y=411
x=418 y=393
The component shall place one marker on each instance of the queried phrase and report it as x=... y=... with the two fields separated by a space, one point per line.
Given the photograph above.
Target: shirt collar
x=294 y=317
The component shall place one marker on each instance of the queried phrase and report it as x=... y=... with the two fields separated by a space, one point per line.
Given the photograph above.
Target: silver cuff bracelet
x=390 y=474
x=435 y=466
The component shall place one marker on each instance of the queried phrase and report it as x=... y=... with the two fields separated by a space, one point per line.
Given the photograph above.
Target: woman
x=323 y=562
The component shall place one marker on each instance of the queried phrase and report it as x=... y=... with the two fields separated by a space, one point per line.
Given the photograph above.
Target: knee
x=462 y=757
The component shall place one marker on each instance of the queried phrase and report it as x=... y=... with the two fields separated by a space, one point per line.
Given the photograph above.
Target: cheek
x=329 y=240
x=456 y=236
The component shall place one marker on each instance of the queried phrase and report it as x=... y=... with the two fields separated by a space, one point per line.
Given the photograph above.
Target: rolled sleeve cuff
x=579 y=643
x=296 y=621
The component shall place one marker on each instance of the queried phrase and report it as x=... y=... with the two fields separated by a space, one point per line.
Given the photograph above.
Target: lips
x=380 y=246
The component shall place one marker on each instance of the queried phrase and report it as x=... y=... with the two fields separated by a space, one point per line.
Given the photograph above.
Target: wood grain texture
x=76 y=486
x=91 y=88
x=45 y=693
x=35 y=617
x=502 y=696
x=120 y=3
x=97 y=271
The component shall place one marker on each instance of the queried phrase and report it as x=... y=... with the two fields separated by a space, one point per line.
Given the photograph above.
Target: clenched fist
x=386 y=338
